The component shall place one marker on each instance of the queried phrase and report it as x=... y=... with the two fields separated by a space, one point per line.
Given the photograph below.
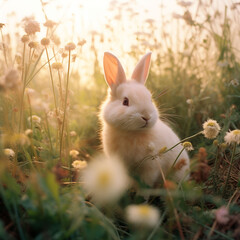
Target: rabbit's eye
x=125 y=101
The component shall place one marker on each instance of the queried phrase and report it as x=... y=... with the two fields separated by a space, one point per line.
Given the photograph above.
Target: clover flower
x=105 y=179
x=232 y=137
x=211 y=129
x=142 y=215
x=78 y=164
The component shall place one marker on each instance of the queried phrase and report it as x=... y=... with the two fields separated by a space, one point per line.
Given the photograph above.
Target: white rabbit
x=132 y=128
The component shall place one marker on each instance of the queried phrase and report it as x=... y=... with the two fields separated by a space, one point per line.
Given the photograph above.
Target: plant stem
x=65 y=104
x=4 y=49
x=230 y=168
x=23 y=89
x=183 y=141
x=215 y=169
x=177 y=158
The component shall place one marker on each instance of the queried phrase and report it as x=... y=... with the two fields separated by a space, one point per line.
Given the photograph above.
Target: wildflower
x=28 y=132
x=31 y=26
x=188 y=146
x=234 y=82
x=188 y=17
x=64 y=55
x=12 y=79
x=33 y=44
x=105 y=179
x=142 y=215
x=189 y=101
x=2 y=25
x=45 y=42
x=25 y=38
x=49 y=23
x=70 y=46
x=78 y=164
x=57 y=66
x=73 y=134
x=211 y=128
x=184 y=3
x=222 y=215
x=223 y=146
x=176 y=15
x=81 y=43
x=9 y=152
x=34 y=119
x=232 y=137
x=73 y=153
x=215 y=142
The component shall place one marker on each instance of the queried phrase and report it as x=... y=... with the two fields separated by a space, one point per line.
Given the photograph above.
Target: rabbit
x=132 y=129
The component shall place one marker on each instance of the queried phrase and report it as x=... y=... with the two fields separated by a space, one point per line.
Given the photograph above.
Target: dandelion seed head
x=211 y=129
x=31 y=26
x=188 y=146
x=232 y=137
x=78 y=164
x=145 y=216
x=70 y=46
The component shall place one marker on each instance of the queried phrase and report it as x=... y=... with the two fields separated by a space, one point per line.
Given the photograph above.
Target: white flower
x=232 y=137
x=189 y=101
x=142 y=215
x=105 y=179
x=234 y=82
x=9 y=152
x=34 y=119
x=28 y=132
x=188 y=146
x=78 y=164
x=73 y=134
x=211 y=128
x=73 y=153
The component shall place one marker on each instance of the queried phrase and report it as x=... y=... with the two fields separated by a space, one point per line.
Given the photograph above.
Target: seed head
x=49 y=23
x=25 y=38
x=57 y=66
x=31 y=26
x=70 y=46
x=33 y=44
x=45 y=42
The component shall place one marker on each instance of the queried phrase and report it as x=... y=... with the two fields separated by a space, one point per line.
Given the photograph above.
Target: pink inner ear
x=110 y=65
x=140 y=72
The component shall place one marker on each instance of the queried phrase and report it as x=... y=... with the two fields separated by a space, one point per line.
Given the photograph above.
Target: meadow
x=54 y=181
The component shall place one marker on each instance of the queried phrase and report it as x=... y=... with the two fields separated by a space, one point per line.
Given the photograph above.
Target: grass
x=194 y=77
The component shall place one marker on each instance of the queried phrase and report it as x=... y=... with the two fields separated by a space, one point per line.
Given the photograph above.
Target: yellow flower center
x=236 y=132
x=104 y=179
x=211 y=124
x=144 y=210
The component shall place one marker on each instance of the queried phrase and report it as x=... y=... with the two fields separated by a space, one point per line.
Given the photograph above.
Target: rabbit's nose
x=145 y=118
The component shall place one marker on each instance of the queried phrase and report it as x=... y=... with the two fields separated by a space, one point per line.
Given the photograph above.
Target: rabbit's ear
x=140 y=72
x=113 y=70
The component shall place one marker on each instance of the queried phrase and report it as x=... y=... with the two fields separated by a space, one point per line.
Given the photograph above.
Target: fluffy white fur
x=135 y=132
